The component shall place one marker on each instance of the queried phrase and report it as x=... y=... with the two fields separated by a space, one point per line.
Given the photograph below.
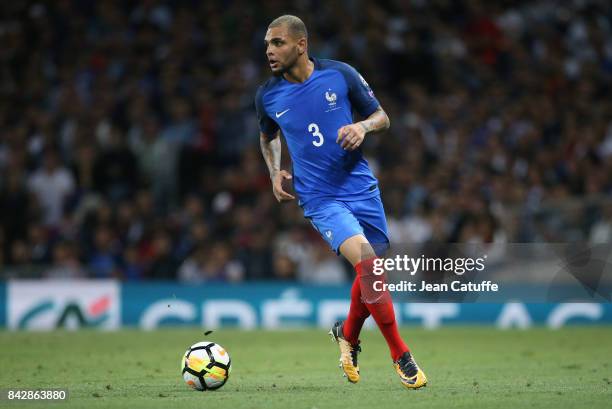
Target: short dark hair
x=294 y=24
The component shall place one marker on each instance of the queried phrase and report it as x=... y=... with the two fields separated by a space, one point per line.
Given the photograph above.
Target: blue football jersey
x=309 y=115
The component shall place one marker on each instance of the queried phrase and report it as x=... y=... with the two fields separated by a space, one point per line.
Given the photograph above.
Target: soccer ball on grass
x=205 y=366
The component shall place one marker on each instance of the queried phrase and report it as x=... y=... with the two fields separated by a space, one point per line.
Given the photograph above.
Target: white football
x=206 y=365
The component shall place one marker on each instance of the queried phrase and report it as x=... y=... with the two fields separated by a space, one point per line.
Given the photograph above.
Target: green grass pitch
x=467 y=368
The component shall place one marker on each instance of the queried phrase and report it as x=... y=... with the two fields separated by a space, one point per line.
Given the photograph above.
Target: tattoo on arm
x=378 y=121
x=271 y=150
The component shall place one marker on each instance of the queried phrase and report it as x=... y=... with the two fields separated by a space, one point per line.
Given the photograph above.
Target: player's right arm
x=271 y=150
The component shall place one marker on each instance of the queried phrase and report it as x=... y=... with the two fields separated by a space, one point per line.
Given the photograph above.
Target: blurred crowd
x=129 y=144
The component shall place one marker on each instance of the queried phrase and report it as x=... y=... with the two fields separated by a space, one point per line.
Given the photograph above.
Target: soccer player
x=312 y=102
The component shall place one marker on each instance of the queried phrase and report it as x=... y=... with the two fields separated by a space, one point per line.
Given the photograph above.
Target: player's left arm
x=351 y=136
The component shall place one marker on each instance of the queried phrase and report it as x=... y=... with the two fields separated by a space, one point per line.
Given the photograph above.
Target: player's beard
x=291 y=62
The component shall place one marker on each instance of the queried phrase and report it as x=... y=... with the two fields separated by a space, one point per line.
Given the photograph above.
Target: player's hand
x=350 y=137
x=277 y=186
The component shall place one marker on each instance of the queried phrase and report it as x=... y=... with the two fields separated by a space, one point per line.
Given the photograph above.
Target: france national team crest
x=331 y=99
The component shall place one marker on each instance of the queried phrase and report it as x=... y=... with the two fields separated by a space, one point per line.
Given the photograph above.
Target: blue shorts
x=337 y=220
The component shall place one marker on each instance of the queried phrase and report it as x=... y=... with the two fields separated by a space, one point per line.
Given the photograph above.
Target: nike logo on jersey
x=279 y=114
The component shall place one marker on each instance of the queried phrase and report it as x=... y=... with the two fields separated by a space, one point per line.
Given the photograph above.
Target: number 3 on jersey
x=314 y=130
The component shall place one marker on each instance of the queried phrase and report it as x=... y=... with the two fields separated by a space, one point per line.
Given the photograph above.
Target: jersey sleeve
x=360 y=94
x=266 y=124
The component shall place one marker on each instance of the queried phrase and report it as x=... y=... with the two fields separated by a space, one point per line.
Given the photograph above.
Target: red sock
x=357 y=314
x=380 y=306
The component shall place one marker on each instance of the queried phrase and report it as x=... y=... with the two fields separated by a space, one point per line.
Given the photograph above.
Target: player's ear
x=302 y=44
